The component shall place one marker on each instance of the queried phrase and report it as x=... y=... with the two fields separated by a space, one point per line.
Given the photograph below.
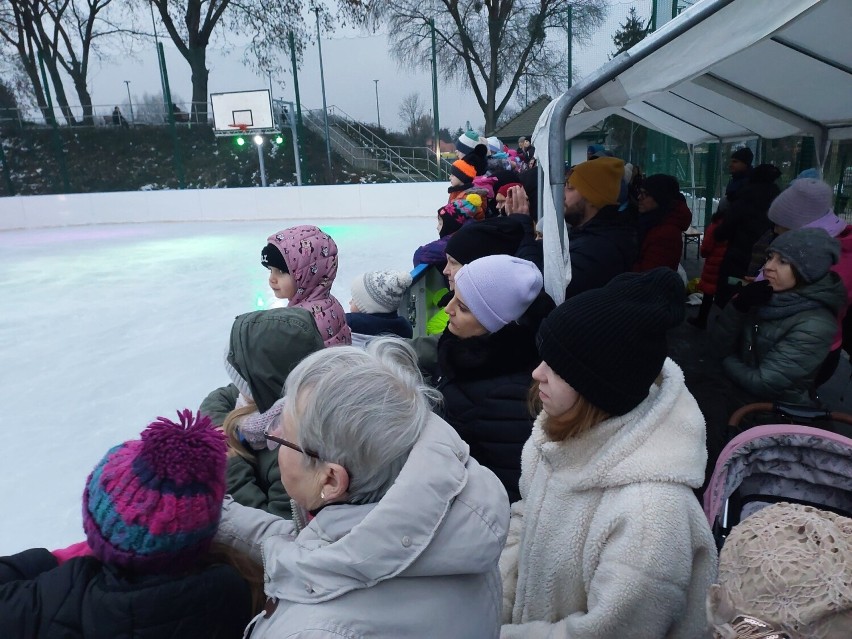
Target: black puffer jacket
x=84 y=598
x=485 y=382
x=600 y=249
x=743 y=224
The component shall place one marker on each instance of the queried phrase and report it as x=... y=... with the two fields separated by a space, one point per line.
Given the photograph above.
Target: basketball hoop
x=242 y=127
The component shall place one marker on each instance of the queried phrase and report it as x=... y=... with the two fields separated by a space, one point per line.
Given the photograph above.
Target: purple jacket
x=311 y=258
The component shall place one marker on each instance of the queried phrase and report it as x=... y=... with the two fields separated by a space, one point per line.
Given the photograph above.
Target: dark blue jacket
x=379 y=324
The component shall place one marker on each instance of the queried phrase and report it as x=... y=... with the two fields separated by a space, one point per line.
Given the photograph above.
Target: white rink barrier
x=353 y=201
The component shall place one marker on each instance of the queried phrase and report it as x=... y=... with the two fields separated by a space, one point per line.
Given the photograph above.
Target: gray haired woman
x=396 y=531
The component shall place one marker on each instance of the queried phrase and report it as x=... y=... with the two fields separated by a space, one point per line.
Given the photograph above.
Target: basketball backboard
x=242 y=112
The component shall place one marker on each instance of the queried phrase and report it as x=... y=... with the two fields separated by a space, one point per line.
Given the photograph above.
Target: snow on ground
x=103 y=328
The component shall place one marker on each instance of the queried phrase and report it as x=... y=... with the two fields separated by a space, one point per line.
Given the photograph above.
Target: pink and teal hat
x=153 y=504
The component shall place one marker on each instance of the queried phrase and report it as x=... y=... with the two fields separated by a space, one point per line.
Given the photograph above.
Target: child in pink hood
x=302 y=263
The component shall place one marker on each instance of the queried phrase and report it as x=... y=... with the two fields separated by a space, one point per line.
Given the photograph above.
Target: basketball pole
x=262 y=165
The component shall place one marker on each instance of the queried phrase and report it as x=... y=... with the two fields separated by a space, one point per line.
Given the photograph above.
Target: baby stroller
x=780 y=462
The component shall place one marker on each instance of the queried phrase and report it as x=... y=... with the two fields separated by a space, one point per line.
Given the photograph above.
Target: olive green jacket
x=774 y=352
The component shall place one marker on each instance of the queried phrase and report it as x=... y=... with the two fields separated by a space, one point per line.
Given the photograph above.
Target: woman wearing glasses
x=396 y=530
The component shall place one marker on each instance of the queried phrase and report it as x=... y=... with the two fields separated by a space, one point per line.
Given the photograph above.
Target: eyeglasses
x=642 y=194
x=272 y=442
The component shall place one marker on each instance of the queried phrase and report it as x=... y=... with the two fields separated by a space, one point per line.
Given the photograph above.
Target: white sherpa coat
x=608 y=540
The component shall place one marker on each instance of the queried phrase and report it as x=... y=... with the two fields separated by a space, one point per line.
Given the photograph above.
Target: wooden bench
x=692 y=235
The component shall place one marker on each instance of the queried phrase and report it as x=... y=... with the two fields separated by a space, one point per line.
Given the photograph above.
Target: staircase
x=362 y=148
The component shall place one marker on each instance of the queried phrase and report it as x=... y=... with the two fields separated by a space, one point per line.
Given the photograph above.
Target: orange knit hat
x=598 y=180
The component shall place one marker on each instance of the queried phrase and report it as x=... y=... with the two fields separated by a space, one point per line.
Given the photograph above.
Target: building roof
x=524 y=122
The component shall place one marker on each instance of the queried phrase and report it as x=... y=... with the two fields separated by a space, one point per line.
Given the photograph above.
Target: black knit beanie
x=609 y=343
x=494 y=236
x=270 y=256
x=663 y=188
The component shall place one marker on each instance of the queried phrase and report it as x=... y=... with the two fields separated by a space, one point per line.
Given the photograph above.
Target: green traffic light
x=241 y=141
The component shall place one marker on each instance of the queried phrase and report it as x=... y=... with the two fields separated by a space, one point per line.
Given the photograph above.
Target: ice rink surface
x=103 y=328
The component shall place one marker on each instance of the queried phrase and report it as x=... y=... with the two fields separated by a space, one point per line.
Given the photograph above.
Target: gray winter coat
x=422 y=562
x=773 y=352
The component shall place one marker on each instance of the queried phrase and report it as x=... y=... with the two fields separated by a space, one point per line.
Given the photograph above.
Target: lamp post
x=324 y=106
x=378 y=113
x=130 y=102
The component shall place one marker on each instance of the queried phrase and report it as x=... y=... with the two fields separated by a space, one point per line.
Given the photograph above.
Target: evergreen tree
x=627 y=137
x=632 y=32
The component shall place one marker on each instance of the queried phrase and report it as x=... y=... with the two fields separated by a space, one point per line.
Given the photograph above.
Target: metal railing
x=362 y=147
x=141 y=113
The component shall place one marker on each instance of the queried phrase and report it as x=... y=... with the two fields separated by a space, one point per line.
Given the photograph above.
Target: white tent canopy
x=723 y=70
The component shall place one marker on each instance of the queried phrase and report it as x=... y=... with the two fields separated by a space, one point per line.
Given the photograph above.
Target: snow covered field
x=103 y=328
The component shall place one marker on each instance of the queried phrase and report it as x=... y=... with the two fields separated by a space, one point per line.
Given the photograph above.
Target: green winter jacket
x=773 y=352
x=264 y=347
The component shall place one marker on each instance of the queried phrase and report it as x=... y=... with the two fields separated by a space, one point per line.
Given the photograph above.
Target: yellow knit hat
x=598 y=180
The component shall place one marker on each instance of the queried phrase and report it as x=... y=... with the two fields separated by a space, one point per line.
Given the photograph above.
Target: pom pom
x=191 y=451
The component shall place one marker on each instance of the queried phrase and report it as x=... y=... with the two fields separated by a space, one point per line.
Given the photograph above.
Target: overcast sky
x=351 y=61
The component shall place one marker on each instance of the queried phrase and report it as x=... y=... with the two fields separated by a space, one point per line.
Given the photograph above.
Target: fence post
x=710 y=181
x=297 y=131
x=7 y=175
x=167 y=96
x=435 y=120
x=57 y=141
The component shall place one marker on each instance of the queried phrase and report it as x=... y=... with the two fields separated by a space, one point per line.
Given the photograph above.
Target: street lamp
x=132 y=119
x=378 y=114
x=324 y=106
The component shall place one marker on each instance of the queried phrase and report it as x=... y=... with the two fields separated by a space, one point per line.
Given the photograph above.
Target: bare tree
x=18 y=31
x=69 y=31
x=65 y=33
x=491 y=45
x=410 y=111
x=191 y=24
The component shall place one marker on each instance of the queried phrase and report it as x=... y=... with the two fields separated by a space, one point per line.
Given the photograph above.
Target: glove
x=755 y=294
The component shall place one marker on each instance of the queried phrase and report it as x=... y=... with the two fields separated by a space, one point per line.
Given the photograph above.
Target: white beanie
x=380 y=291
x=494 y=144
x=498 y=289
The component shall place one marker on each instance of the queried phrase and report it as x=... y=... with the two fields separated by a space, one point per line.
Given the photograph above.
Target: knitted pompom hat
x=812 y=252
x=460 y=211
x=380 y=291
x=788 y=566
x=153 y=504
x=609 y=343
x=463 y=170
x=498 y=289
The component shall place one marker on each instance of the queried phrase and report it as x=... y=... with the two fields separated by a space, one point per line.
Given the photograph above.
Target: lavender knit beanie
x=806 y=200
x=498 y=289
x=153 y=505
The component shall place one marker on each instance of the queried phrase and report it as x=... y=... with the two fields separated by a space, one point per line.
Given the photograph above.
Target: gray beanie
x=498 y=289
x=812 y=252
x=804 y=201
x=380 y=291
